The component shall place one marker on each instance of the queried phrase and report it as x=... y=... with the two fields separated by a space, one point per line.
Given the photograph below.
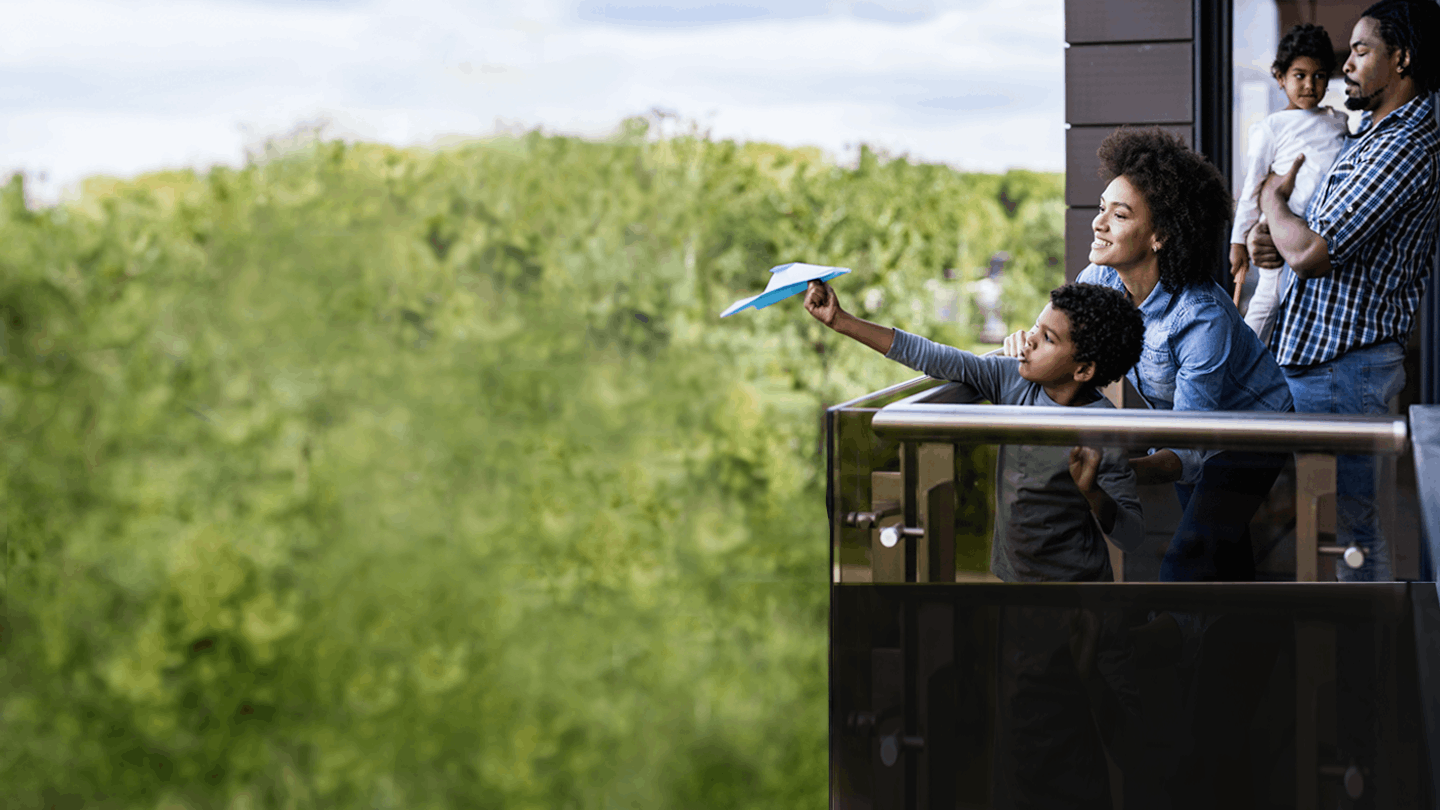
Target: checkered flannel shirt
x=1378 y=211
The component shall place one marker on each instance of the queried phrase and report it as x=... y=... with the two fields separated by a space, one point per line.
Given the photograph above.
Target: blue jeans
x=1212 y=542
x=1360 y=381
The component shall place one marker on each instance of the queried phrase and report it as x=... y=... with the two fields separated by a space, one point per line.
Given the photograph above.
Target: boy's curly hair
x=1105 y=328
x=1303 y=39
x=1190 y=207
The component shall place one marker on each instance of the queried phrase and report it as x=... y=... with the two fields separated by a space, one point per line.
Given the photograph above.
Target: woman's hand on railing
x=1160 y=467
x=1015 y=344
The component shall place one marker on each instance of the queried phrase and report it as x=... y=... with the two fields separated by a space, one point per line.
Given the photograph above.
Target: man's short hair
x=1412 y=26
x=1105 y=328
x=1304 y=39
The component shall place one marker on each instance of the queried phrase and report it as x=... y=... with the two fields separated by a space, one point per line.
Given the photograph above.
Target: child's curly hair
x=1304 y=39
x=1105 y=328
x=1190 y=207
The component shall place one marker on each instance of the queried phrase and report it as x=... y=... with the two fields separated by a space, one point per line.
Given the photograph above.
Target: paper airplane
x=786 y=280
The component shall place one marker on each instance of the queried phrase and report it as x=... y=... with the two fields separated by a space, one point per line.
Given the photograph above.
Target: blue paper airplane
x=786 y=280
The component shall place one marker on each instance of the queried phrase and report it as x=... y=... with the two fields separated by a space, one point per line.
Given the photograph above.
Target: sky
x=125 y=86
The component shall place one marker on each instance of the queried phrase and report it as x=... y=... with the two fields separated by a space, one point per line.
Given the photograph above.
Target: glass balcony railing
x=951 y=689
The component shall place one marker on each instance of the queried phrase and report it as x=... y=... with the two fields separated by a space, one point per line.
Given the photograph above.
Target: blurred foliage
x=366 y=476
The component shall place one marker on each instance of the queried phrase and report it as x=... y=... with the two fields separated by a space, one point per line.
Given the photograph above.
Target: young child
x=1052 y=503
x=1303 y=64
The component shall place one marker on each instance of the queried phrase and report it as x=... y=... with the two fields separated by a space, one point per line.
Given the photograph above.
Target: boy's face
x=1049 y=355
x=1304 y=83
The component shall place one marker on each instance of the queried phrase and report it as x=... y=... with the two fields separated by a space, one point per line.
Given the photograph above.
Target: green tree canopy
x=430 y=478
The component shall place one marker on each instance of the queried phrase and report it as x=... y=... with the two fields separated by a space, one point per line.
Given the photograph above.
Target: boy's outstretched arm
x=821 y=302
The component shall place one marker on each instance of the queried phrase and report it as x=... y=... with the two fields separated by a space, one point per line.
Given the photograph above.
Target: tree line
x=430 y=477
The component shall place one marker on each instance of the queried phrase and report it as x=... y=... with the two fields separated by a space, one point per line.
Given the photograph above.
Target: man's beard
x=1360 y=103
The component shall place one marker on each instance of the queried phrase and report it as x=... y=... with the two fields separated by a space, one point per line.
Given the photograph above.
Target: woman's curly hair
x=1105 y=328
x=1190 y=207
x=1303 y=39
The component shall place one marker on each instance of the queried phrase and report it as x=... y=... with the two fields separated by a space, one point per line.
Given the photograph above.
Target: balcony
x=1292 y=692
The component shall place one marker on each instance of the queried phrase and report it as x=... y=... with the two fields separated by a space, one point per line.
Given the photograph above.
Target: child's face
x=1304 y=83
x=1049 y=355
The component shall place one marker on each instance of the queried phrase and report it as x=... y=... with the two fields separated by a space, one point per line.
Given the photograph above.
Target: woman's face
x=1124 y=237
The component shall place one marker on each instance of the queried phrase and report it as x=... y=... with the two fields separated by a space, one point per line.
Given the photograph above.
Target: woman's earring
x=1155 y=248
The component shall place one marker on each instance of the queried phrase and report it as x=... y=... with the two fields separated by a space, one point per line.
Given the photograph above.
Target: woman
x=1159 y=235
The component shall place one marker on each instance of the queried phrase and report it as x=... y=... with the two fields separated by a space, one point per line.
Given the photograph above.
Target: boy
x=1303 y=65
x=1063 y=681
x=1086 y=337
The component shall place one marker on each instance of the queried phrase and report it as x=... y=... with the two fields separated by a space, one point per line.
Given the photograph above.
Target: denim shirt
x=1199 y=356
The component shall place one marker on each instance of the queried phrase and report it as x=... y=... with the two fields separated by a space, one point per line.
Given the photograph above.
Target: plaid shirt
x=1378 y=211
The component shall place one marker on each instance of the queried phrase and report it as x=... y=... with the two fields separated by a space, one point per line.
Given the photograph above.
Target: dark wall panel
x=1122 y=84
x=1077 y=239
x=1127 y=20
x=1129 y=62
x=1082 y=182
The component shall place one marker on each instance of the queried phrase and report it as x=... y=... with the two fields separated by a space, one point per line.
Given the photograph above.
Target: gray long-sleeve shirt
x=1044 y=530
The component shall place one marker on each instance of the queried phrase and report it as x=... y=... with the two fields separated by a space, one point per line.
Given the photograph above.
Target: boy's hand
x=822 y=302
x=1239 y=268
x=1084 y=464
x=1015 y=344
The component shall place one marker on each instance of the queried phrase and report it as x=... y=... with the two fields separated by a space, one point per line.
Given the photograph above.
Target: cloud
x=903 y=13
x=683 y=13
x=88 y=86
x=678 y=13
x=969 y=103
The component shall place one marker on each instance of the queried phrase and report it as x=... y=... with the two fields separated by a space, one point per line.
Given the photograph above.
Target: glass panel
x=1156 y=695
x=1142 y=693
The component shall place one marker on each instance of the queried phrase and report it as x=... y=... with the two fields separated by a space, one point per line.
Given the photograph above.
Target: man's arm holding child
x=1305 y=250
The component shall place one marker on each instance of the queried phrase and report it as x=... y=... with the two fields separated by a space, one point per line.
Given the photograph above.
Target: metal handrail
x=907 y=388
x=1219 y=430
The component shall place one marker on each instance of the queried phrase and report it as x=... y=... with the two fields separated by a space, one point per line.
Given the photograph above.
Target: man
x=1364 y=250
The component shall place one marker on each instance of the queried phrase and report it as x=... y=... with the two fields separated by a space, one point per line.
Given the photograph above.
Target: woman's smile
x=1123 y=235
